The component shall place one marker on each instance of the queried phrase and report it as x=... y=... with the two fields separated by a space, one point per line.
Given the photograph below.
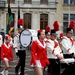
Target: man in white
x=54 y=53
x=68 y=51
x=20 y=52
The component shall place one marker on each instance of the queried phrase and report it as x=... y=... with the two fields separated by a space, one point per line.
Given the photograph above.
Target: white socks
x=4 y=72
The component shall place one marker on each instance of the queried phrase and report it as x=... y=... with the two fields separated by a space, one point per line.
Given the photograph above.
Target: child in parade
x=6 y=54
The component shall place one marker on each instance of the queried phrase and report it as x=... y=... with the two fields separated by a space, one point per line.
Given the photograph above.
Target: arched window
x=43 y=21
x=44 y=1
x=27 y=21
x=11 y=1
x=27 y=1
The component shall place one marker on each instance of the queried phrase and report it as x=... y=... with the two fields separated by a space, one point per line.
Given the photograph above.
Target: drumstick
x=66 y=63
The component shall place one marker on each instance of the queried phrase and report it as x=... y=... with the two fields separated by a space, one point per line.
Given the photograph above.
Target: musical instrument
x=25 y=38
x=67 y=61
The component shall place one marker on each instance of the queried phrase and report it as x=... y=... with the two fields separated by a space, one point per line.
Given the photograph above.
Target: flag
x=18 y=16
x=10 y=25
x=20 y=20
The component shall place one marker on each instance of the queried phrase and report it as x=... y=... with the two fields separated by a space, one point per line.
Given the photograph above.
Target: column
x=35 y=20
x=52 y=18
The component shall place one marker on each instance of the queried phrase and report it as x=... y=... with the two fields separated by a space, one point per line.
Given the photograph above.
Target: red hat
x=39 y=31
x=72 y=24
x=56 y=26
x=47 y=28
x=61 y=35
x=47 y=31
x=71 y=27
x=7 y=37
x=21 y=22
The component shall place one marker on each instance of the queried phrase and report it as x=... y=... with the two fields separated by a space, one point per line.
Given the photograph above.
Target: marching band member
x=69 y=49
x=6 y=54
x=20 y=52
x=39 y=58
x=54 y=52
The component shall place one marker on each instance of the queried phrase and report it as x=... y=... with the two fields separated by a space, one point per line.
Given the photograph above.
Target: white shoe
x=3 y=72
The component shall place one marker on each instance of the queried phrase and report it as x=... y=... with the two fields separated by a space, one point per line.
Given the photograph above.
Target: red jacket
x=6 y=52
x=38 y=52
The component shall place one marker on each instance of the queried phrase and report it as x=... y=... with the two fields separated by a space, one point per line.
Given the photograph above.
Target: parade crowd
x=48 y=51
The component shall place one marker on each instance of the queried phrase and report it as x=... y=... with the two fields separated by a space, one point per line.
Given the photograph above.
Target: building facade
x=37 y=14
x=65 y=13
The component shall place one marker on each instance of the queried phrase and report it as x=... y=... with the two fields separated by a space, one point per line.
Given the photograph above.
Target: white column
x=0 y=19
x=3 y=20
x=15 y=23
x=52 y=18
x=21 y=13
x=35 y=20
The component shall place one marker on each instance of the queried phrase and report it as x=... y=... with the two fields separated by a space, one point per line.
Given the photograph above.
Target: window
x=72 y=17
x=72 y=2
x=27 y=21
x=11 y=1
x=43 y=21
x=66 y=19
x=27 y=1
x=44 y=1
x=65 y=1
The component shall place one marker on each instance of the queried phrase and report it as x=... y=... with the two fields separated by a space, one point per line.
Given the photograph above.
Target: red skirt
x=42 y=63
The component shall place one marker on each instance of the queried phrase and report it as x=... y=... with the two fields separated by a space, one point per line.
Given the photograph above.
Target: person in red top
x=39 y=58
x=6 y=54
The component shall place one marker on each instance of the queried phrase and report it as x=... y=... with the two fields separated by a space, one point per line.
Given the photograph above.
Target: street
x=28 y=69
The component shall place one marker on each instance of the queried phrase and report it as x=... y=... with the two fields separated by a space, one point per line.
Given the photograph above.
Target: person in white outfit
x=68 y=51
x=54 y=53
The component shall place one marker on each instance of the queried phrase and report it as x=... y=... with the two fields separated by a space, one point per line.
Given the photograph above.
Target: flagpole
x=18 y=12
x=18 y=3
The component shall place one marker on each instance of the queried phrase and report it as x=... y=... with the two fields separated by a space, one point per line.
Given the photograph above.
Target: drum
x=67 y=60
x=25 y=38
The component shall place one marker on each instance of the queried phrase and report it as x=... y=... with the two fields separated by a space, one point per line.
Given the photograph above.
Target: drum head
x=25 y=38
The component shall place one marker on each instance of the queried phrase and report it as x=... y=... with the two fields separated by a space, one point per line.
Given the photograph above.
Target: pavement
x=28 y=69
